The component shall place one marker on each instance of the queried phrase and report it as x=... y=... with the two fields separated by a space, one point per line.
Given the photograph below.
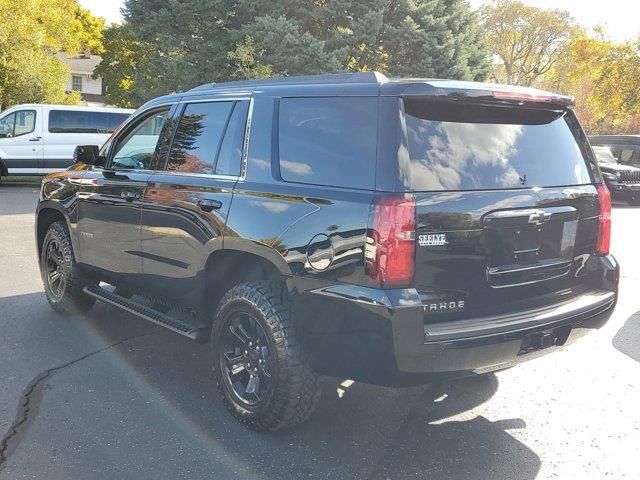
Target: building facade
x=81 y=77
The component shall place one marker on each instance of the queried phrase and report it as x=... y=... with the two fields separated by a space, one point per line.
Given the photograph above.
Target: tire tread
x=296 y=394
x=74 y=299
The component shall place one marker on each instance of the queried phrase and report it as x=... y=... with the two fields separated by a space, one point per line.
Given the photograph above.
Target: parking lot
x=110 y=396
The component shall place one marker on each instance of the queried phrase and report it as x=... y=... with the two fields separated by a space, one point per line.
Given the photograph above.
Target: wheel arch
x=47 y=213
x=235 y=264
x=257 y=249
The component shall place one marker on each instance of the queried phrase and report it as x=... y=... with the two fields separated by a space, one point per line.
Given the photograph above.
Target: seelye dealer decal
x=432 y=239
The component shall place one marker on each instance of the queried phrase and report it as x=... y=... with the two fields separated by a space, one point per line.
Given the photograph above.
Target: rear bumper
x=392 y=345
x=494 y=343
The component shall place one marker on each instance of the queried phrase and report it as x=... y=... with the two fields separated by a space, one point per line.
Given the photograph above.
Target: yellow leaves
x=31 y=32
x=548 y=49
x=525 y=40
x=126 y=84
x=604 y=76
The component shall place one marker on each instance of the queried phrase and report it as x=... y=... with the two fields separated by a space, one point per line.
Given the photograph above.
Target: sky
x=618 y=17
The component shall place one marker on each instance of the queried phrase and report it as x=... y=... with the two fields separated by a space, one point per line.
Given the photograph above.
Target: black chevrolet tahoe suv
x=395 y=232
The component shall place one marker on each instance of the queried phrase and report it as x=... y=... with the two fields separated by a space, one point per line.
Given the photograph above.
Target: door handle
x=130 y=196
x=207 y=205
x=35 y=139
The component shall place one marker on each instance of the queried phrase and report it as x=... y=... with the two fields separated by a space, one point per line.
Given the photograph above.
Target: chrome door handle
x=207 y=205
x=130 y=196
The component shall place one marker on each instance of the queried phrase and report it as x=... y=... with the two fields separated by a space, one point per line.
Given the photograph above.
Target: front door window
x=136 y=150
x=18 y=123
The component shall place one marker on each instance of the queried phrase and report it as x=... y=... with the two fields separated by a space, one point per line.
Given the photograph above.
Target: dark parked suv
x=623 y=181
x=388 y=231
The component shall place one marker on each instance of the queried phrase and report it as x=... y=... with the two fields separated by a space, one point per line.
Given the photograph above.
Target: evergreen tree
x=183 y=43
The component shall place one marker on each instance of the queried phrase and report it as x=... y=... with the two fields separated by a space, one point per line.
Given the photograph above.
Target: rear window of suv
x=328 y=141
x=473 y=147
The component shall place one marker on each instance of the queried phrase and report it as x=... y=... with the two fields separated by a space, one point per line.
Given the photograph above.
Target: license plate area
x=529 y=245
x=542 y=340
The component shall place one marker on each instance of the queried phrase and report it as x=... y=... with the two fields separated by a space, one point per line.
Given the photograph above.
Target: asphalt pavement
x=109 y=396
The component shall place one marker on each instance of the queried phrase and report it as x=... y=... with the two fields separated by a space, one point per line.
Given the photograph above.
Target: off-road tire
x=295 y=392
x=72 y=300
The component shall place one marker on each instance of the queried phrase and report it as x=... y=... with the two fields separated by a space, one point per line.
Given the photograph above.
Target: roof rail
x=356 y=77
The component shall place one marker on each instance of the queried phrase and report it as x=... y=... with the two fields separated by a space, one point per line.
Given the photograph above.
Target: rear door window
x=470 y=147
x=328 y=141
x=198 y=137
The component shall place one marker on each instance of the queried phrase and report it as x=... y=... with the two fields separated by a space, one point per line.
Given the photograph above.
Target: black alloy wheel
x=62 y=277
x=54 y=271
x=263 y=375
x=245 y=359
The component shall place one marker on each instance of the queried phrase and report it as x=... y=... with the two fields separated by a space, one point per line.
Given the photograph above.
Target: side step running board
x=199 y=335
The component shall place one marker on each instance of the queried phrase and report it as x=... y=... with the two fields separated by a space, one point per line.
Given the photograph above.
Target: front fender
x=59 y=200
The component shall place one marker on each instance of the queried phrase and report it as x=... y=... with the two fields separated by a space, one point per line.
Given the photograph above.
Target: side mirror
x=89 y=154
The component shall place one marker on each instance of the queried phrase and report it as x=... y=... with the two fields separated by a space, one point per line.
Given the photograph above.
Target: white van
x=39 y=139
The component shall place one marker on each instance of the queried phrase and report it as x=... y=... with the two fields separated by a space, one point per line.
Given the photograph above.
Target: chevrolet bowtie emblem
x=539 y=217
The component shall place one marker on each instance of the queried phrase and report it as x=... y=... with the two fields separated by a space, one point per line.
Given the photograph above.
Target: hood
x=617 y=167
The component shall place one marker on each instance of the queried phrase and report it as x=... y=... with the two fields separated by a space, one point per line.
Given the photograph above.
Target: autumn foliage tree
x=31 y=32
x=525 y=40
x=604 y=76
x=546 y=48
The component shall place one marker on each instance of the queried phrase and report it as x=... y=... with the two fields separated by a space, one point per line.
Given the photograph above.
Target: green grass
x=19 y=180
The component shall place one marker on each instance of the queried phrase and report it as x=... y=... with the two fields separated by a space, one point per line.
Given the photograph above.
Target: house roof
x=79 y=63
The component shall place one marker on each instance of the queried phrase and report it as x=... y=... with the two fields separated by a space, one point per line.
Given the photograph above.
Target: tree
x=122 y=61
x=30 y=35
x=604 y=76
x=526 y=40
x=223 y=40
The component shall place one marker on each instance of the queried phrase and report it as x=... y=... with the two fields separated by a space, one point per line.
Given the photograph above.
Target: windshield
x=476 y=147
x=604 y=154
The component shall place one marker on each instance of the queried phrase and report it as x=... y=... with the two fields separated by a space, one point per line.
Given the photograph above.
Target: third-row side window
x=329 y=141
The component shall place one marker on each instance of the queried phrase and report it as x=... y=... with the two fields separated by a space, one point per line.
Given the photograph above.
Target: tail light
x=521 y=95
x=604 y=230
x=393 y=254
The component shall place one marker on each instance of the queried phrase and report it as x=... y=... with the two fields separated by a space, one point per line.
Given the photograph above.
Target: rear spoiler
x=483 y=92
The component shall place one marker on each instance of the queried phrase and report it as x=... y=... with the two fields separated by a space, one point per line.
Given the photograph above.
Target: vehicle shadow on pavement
x=153 y=407
x=18 y=199
x=370 y=432
x=627 y=340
